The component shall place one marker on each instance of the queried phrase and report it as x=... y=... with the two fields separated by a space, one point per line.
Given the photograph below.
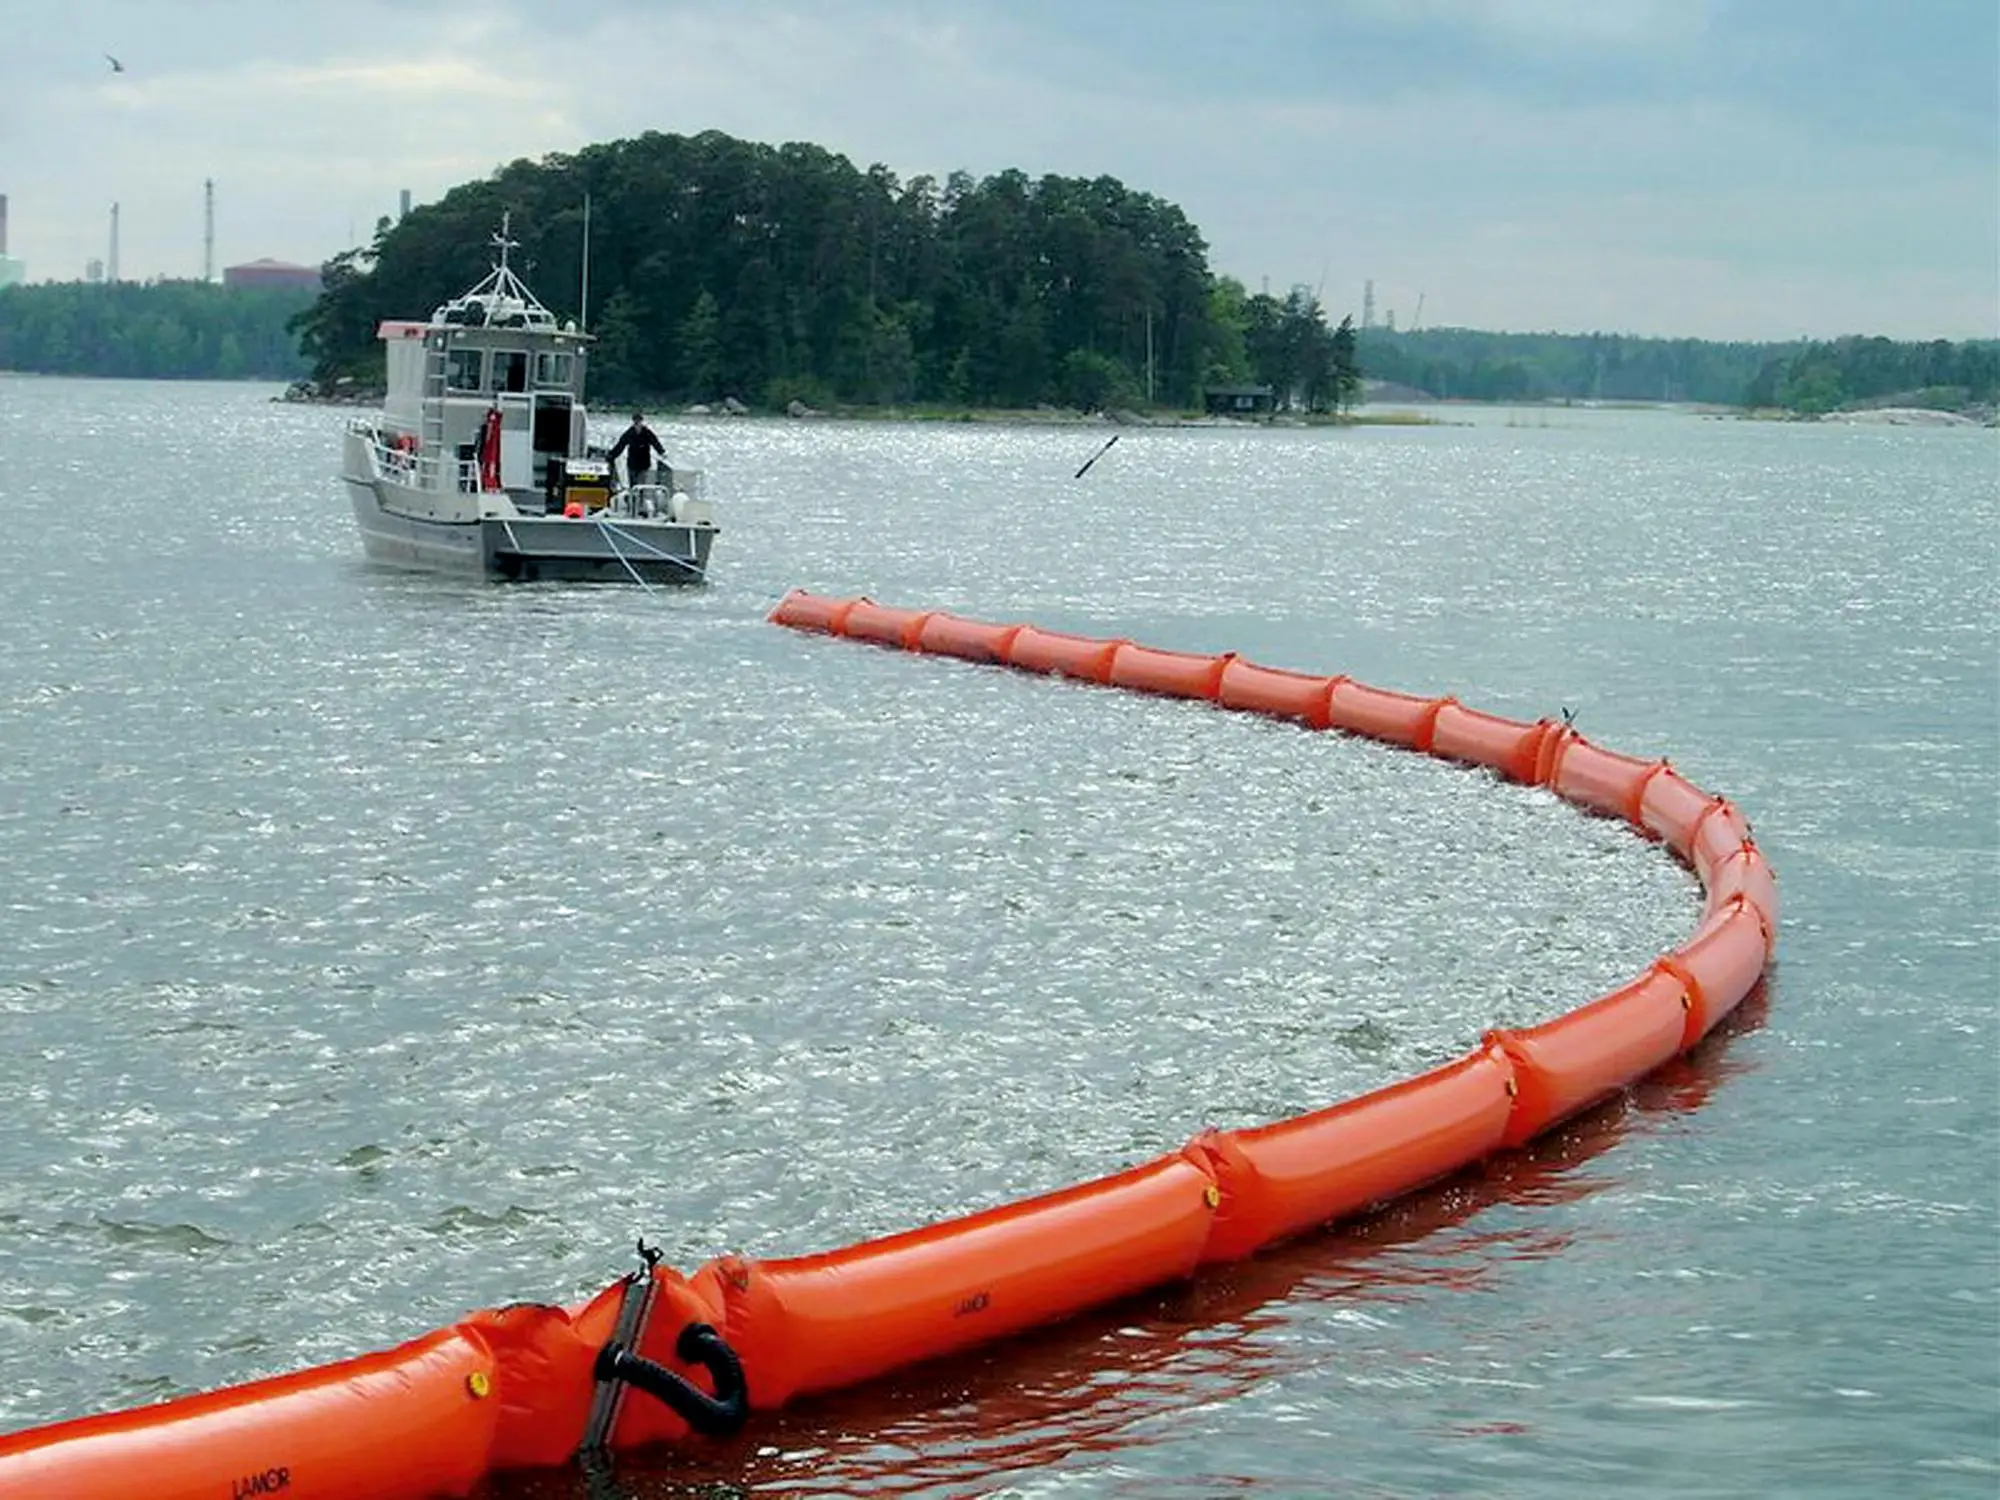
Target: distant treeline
x=165 y=330
x=1809 y=378
x=1824 y=377
x=724 y=268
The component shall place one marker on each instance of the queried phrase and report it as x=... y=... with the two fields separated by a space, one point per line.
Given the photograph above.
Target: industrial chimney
x=111 y=267
x=3 y=223
x=403 y=210
x=208 y=229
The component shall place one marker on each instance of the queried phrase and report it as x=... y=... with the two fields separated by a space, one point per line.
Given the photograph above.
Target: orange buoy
x=1568 y=1064
x=1284 y=1178
x=869 y=621
x=1173 y=674
x=970 y=640
x=821 y=1322
x=404 y=1424
x=1399 y=718
x=1082 y=657
x=1275 y=691
x=1508 y=746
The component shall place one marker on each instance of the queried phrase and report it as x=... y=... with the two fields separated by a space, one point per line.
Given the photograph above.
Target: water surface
x=377 y=947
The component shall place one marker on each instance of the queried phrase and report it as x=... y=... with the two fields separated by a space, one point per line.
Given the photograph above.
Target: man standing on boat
x=639 y=443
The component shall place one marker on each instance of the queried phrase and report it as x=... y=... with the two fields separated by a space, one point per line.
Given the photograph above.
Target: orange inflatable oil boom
x=663 y=1357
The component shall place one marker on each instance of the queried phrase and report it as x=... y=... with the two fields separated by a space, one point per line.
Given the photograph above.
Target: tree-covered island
x=724 y=269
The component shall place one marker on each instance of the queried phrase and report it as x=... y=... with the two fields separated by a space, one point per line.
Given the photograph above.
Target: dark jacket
x=638 y=443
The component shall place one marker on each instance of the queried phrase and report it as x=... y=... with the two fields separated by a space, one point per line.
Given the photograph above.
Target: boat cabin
x=494 y=347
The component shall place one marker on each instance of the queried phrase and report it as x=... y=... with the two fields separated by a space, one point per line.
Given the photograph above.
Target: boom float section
x=662 y=1357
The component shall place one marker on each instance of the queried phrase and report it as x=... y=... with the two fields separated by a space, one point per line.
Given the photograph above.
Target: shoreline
x=301 y=394
x=1430 y=412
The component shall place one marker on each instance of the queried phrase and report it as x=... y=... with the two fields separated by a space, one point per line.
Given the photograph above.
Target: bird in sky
x=116 y=65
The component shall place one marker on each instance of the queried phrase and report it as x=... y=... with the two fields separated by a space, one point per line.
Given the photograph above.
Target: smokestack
x=208 y=229
x=111 y=266
x=404 y=213
x=3 y=223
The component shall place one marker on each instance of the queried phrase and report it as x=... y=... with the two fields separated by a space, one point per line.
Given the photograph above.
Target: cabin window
x=510 y=370
x=552 y=371
x=462 y=369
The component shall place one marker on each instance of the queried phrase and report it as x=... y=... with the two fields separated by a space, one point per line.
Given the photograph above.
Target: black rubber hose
x=721 y=1415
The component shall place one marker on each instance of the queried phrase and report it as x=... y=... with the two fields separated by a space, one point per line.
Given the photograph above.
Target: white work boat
x=479 y=462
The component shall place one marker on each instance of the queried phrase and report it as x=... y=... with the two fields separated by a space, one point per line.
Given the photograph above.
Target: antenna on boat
x=583 y=309
x=503 y=240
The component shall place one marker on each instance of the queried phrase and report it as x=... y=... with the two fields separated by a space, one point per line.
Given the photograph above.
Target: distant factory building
x=12 y=271
x=271 y=273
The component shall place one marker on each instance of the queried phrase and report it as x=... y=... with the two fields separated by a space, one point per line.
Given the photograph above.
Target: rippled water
x=375 y=947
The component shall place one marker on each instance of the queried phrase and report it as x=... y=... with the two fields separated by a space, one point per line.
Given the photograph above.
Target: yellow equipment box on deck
x=587 y=482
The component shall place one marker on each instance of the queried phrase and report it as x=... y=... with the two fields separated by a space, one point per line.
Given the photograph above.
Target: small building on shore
x=1238 y=400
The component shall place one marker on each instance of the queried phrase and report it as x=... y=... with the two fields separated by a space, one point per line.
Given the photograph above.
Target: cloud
x=305 y=150
x=1621 y=25
x=1666 y=167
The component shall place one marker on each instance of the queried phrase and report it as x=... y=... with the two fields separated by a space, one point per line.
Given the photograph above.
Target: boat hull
x=600 y=550
x=397 y=538
x=473 y=535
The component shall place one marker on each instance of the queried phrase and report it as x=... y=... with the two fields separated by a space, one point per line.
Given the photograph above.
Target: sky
x=1716 y=169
